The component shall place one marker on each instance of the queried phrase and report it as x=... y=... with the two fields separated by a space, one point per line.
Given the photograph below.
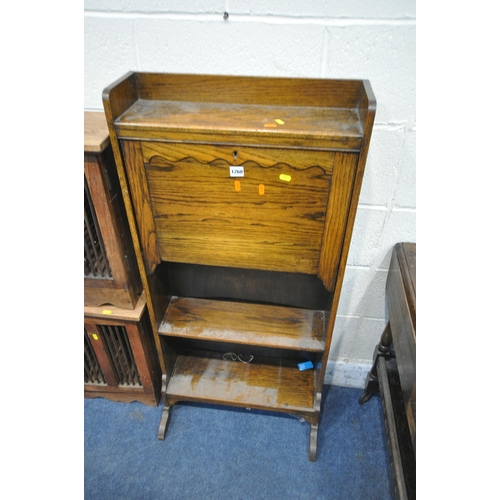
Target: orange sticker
x=237 y=186
x=270 y=125
x=261 y=188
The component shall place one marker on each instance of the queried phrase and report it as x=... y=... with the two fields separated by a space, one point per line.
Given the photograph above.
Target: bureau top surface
x=96 y=135
x=229 y=118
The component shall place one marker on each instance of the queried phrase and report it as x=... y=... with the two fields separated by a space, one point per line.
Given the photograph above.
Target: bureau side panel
x=142 y=204
x=344 y=172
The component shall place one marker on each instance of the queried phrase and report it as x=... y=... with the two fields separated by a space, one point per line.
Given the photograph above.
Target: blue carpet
x=226 y=453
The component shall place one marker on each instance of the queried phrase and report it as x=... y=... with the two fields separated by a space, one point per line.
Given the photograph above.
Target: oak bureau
x=241 y=194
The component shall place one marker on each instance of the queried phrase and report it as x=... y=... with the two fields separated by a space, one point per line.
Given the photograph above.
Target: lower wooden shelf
x=267 y=387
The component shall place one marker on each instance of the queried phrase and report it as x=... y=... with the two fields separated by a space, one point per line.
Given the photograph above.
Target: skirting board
x=347 y=373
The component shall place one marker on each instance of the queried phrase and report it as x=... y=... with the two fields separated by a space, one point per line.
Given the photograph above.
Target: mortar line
x=246 y=18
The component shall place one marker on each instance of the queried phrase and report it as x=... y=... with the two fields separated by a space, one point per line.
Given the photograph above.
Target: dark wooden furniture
x=120 y=357
x=110 y=269
x=241 y=193
x=121 y=362
x=394 y=368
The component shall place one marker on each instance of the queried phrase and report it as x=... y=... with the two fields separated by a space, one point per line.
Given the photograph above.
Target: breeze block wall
x=367 y=39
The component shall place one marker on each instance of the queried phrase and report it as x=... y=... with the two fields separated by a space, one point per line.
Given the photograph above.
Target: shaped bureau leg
x=165 y=419
x=313 y=442
x=313 y=434
x=165 y=413
x=383 y=349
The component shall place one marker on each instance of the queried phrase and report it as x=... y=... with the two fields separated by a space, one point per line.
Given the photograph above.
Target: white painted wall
x=372 y=39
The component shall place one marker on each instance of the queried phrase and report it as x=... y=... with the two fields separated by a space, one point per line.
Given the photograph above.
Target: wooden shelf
x=258 y=386
x=243 y=323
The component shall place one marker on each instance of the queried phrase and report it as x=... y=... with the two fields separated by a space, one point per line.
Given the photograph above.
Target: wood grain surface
x=113 y=313
x=272 y=218
x=242 y=323
x=96 y=135
x=340 y=126
x=238 y=384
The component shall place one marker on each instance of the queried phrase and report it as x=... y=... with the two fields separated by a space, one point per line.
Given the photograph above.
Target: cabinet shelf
x=243 y=323
x=267 y=387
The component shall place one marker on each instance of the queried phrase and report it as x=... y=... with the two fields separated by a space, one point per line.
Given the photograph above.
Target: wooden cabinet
x=110 y=269
x=120 y=355
x=241 y=193
x=394 y=369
